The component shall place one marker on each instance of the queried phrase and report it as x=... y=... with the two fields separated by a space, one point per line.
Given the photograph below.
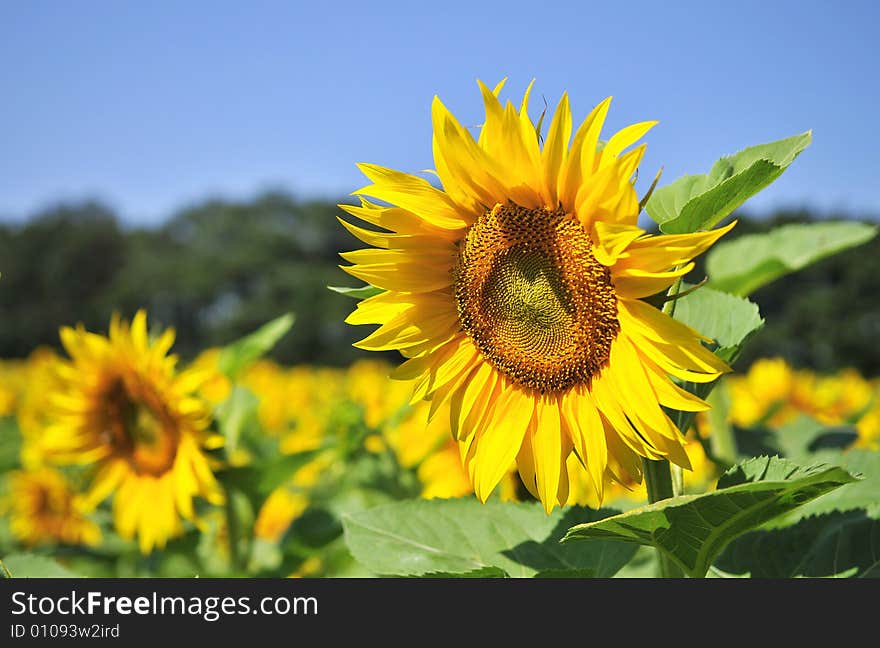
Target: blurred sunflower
x=289 y=501
x=516 y=291
x=8 y=393
x=121 y=405
x=33 y=408
x=42 y=507
x=868 y=426
x=772 y=393
x=763 y=393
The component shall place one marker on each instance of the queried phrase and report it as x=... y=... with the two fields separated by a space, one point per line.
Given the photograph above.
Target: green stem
x=233 y=531
x=722 y=439
x=658 y=480
x=677 y=480
x=669 y=306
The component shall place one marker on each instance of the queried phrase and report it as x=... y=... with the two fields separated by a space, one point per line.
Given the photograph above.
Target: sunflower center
x=139 y=431
x=533 y=297
x=50 y=503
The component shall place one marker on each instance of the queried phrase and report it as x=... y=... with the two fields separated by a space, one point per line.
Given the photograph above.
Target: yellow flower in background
x=367 y=384
x=764 y=390
x=868 y=426
x=312 y=397
x=700 y=478
x=834 y=399
x=267 y=381
x=516 y=293
x=122 y=407
x=286 y=503
x=771 y=393
x=216 y=387
x=278 y=512
x=442 y=474
x=412 y=438
x=8 y=391
x=310 y=567
x=42 y=379
x=14 y=381
x=43 y=508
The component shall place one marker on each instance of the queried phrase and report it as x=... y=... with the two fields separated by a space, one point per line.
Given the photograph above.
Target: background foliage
x=217 y=270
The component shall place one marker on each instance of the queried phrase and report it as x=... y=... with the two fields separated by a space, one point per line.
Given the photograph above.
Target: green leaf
x=566 y=573
x=744 y=264
x=461 y=536
x=484 y=572
x=859 y=495
x=10 y=444
x=236 y=357
x=693 y=529
x=236 y=415
x=29 y=565
x=357 y=293
x=834 y=544
x=643 y=564
x=730 y=321
x=698 y=202
x=259 y=479
x=802 y=437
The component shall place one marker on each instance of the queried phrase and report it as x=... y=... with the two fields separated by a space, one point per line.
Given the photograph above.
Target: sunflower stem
x=658 y=480
x=677 y=480
x=669 y=304
x=662 y=482
x=722 y=439
x=233 y=530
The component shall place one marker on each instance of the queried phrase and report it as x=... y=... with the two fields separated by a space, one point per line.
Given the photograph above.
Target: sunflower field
x=549 y=388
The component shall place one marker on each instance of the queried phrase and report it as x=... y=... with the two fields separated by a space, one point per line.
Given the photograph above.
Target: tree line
x=217 y=270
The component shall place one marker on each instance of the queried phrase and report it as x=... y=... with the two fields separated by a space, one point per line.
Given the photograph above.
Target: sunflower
x=517 y=294
x=32 y=416
x=122 y=407
x=763 y=394
x=289 y=501
x=42 y=507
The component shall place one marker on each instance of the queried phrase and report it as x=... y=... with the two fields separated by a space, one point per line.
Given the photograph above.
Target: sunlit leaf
x=356 y=293
x=236 y=415
x=463 y=536
x=260 y=479
x=833 y=544
x=863 y=494
x=30 y=565
x=10 y=444
x=744 y=264
x=698 y=202
x=484 y=572
x=730 y=321
x=693 y=529
x=236 y=357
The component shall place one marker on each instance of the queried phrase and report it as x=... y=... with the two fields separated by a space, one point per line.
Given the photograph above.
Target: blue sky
x=151 y=106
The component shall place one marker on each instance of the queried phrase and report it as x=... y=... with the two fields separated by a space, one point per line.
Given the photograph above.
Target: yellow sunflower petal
x=547 y=450
x=624 y=138
x=555 y=150
x=587 y=433
x=413 y=194
x=581 y=155
x=498 y=442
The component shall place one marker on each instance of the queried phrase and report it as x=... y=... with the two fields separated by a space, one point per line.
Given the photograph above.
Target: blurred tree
x=826 y=316
x=219 y=269
x=57 y=269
